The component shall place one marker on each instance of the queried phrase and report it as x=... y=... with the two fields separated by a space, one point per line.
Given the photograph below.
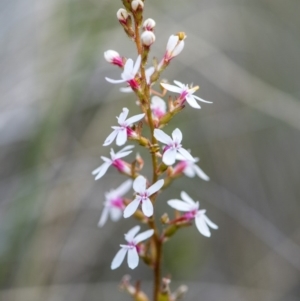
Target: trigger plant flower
x=142 y=197
x=186 y=94
x=174 y=47
x=173 y=146
x=192 y=211
x=115 y=161
x=124 y=130
x=131 y=248
x=189 y=168
x=128 y=74
x=114 y=205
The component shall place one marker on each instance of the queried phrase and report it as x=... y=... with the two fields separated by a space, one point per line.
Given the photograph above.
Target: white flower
x=128 y=74
x=173 y=146
x=113 y=205
x=113 y=57
x=142 y=196
x=186 y=93
x=174 y=47
x=131 y=249
x=115 y=161
x=149 y=71
x=189 y=168
x=158 y=107
x=124 y=130
x=192 y=212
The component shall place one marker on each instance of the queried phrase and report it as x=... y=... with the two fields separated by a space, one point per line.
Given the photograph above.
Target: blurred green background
x=57 y=109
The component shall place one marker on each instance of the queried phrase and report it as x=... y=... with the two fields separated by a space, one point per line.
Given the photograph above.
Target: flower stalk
x=148 y=245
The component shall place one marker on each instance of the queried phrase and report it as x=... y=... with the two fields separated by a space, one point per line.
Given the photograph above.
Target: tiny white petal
x=173 y=40
x=132 y=232
x=179 y=84
x=201 y=99
x=192 y=102
x=177 y=135
x=121 y=137
x=135 y=118
x=155 y=187
x=115 y=81
x=104 y=216
x=147 y=207
x=171 y=88
x=137 y=65
x=143 y=236
x=201 y=226
x=162 y=136
x=169 y=156
x=201 y=173
x=131 y=208
x=118 y=259
x=123 y=116
x=210 y=223
x=126 y=89
x=178 y=48
x=132 y=258
x=139 y=184
x=179 y=205
x=189 y=171
x=187 y=198
x=186 y=154
x=111 y=137
x=102 y=170
x=128 y=65
x=115 y=214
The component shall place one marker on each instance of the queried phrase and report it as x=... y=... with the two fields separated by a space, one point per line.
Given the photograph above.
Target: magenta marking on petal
x=118 y=61
x=117 y=202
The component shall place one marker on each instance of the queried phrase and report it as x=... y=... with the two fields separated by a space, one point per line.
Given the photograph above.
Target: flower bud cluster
x=170 y=159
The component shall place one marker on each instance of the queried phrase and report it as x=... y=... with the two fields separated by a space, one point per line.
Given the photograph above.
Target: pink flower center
x=133 y=84
x=190 y=215
x=117 y=202
x=118 y=61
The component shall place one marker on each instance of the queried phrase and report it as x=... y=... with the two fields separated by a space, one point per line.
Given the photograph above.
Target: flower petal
x=143 y=236
x=121 y=137
x=104 y=216
x=131 y=208
x=132 y=258
x=192 y=102
x=123 y=188
x=147 y=207
x=179 y=84
x=134 y=119
x=115 y=81
x=169 y=156
x=180 y=205
x=102 y=170
x=139 y=184
x=126 y=89
x=178 y=48
x=115 y=214
x=201 y=225
x=123 y=116
x=177 y=135
x=189 y=171
x=200 y=173
x=111 y=137
x=132 y=233
x=171 y=88
x=185 y=197
x=210 y=223
x=128 y=66
x=162 y=137
x=186 y=154
x=173 y=40
x=118 y=259
x=137 y=65
x=201 y=99
x=155 y=187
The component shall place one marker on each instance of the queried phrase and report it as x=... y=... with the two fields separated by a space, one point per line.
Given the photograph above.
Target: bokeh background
x=57 y=109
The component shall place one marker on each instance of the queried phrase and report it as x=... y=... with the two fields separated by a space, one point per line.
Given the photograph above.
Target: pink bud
x=136 y=3
x=149 y=24
x=113 y=57
x=122 y=15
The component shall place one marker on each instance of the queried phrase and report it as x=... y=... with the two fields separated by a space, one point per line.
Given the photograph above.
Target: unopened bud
x=135 y=4
x=122 y=15
x=165 y=219
x=113 y=57
x=148 y=38
x=149 y=24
